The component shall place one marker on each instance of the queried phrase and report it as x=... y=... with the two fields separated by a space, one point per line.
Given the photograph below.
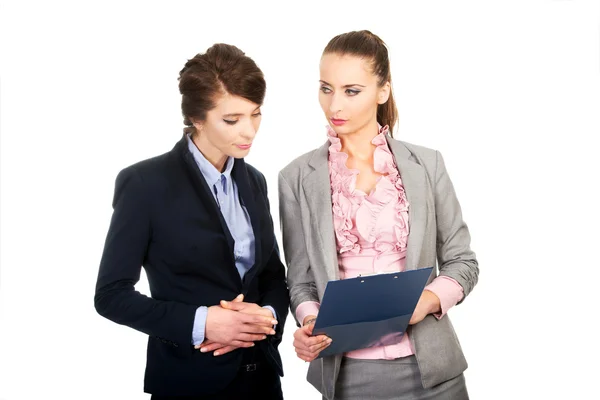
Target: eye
x=258 y=114
x=352 y=92
x=230 y=122
x=325 y=89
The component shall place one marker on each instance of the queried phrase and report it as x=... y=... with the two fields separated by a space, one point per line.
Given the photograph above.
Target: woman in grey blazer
x=365 y=203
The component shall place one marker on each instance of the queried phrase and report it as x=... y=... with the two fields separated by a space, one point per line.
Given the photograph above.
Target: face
x=229 y=128
x=349 y=93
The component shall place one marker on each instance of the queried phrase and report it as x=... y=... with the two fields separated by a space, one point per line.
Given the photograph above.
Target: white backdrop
x=508 y=91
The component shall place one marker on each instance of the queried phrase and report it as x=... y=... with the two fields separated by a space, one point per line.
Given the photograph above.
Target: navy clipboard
x=369 y=311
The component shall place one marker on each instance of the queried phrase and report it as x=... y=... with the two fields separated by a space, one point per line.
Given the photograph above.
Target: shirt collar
x=383 y=131
x=211 y=174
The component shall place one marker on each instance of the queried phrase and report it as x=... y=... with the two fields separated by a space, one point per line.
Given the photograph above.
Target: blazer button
x=164 y=341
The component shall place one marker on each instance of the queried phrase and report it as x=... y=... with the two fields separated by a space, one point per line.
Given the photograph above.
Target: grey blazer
x=437 y=234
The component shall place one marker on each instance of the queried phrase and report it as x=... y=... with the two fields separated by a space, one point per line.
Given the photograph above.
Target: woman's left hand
x=428 y=303
x=237 y=304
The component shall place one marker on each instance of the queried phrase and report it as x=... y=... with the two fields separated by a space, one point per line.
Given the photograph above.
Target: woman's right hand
x=308 y=347
x=235 y=328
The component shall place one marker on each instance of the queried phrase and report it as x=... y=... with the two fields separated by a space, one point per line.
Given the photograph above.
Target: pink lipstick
x=338 y=122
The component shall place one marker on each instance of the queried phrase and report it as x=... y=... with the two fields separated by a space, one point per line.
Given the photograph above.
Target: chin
x=341 y=130
x=239 y=153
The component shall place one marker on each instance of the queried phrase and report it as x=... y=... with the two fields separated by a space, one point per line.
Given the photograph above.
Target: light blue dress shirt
x=236 y=216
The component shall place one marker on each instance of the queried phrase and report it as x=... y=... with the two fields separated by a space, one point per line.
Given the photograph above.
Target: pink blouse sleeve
x=307 y=308
x=448 y=291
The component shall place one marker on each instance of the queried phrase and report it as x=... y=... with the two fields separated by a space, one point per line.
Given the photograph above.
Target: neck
x=358 y=144
x=213 y=155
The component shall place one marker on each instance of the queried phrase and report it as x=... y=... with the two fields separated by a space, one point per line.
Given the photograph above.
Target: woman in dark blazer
x=197 y=219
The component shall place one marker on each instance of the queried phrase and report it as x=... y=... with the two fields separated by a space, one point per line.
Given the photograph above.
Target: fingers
x=248 y=337
x=309 y=355
x=308 y=347
x=313 y=344
x=255 y=319
x=308 y=329
x=317 y=348
x=256 y=329
x=225 y=350
x=233 y=305
x=307 y=341
x=312 y=352
x=305 y=358
x=418 y=316
x=238 y=299
x=211 y=347
x=248 y=308
x=205 y=343
x=229 y=304
x=239 y=343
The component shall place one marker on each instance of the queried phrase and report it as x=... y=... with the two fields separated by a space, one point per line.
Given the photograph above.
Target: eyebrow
x=346 y=86
x=234 y=115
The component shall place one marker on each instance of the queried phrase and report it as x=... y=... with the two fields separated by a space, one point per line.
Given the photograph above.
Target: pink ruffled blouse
x=371 y=232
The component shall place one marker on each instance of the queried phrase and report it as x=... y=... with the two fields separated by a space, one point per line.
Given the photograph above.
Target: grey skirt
x=398 y=379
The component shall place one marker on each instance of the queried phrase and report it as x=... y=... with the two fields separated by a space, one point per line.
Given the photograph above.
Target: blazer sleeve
x=301 y=281
x=124 y=253
x=455 y=258
x=272 y=282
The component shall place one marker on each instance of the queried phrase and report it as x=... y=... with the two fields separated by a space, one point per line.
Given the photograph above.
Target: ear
x=384 y=93
x=197 y=124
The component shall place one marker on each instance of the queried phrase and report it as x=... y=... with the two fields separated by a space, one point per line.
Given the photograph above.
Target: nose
x=249 y=131
x=336 y=103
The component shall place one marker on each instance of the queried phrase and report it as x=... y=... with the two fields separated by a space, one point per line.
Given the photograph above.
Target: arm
x=449 y=293
x=124 y=253
x=455 y=258
x=272 y=283
x=458 y=267
x=300 y=277
x=274 y=292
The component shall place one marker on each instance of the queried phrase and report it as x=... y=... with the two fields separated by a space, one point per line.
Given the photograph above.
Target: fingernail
x=274 y=321
x=203 y=350
x=197 y=346
x=224 y=301
x=325 y=339
x=272 y=332
x=329 y=340
x=264 y=337
x=217 y=353
x=252 y=345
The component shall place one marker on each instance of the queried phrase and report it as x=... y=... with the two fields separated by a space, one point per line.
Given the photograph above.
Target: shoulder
x=147 y=170
x=256 y=176
x=151 y=176
x=298 y=167
x=427 y=157
x=418 y=151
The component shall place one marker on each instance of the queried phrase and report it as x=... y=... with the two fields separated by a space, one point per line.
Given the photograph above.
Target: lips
x=338 y=122
x=244 y=146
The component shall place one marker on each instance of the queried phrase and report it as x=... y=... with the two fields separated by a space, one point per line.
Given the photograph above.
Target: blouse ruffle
x=346 y=197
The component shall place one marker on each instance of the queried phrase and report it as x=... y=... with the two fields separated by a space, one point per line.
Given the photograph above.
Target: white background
x=508 y=91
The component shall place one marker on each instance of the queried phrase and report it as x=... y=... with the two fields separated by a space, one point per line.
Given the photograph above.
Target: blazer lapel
x=414 y=181
x=241 y=179
x=206 y=195
x=317 y=188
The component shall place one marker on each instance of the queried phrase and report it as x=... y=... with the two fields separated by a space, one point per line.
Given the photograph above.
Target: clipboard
x=369 y=311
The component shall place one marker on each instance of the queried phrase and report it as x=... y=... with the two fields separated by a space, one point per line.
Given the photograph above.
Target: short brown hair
x=370 y=46
x=223 y=68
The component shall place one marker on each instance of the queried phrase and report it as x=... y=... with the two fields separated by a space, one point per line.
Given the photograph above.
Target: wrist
x=435 y=305
x=309 y=319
